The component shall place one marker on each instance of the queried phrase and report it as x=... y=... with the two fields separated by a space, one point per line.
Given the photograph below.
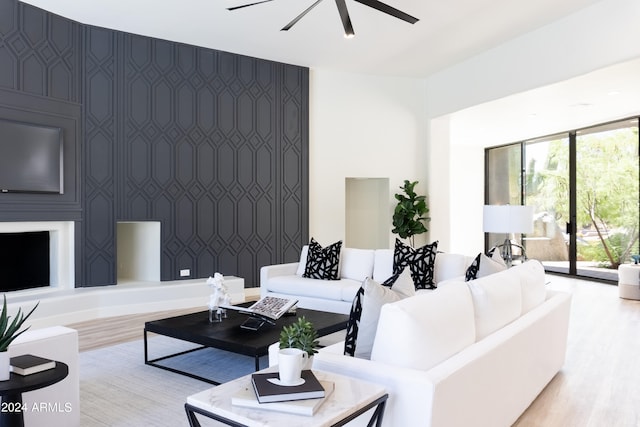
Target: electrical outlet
x=185 y=272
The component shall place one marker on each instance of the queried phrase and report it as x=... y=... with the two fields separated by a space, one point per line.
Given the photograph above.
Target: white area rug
x=118 y=389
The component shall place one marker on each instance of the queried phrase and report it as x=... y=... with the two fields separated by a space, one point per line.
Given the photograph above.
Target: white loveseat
x=467 y=354
x=57 y=405
x=336 y=296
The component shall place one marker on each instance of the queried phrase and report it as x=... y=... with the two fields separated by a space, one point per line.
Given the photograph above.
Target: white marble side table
x=350 y=399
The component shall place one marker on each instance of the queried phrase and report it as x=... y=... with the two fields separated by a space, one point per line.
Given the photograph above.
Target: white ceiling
x=448 y=31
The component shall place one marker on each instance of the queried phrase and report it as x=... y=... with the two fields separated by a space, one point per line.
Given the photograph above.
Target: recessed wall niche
x=138 y=251
x=368 y=216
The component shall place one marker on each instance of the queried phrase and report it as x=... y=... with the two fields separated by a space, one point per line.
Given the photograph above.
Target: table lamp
x=508 y=219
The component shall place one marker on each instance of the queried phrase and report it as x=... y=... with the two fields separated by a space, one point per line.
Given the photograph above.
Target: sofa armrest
x=269 y=271
x=410 y=391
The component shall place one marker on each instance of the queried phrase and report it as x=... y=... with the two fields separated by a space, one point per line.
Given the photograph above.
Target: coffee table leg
x=257 y=358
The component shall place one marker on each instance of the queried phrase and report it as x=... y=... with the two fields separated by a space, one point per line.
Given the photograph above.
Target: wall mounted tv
x=31 y=158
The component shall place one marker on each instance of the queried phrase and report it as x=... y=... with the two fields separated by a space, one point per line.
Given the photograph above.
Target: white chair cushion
x=497 y=301
x=356 y=264
x=422 y=331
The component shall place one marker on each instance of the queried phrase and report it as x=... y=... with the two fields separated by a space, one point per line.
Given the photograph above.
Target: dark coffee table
x=229 y=336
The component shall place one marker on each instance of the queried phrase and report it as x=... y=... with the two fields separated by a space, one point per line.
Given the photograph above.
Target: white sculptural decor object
x=219 y=296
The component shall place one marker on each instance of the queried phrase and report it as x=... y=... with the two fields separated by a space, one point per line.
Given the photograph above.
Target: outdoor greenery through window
x=584 y=187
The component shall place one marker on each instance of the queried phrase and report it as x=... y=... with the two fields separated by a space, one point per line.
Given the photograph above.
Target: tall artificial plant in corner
x=409 y=216
x=9 y=331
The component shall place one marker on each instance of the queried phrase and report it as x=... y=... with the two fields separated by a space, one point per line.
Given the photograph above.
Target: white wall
x=361 y=126
x=601 y=35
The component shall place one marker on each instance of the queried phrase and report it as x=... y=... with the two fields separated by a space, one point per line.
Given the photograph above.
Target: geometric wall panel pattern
x=211 y=144
x=39 y=52
x=208 y=139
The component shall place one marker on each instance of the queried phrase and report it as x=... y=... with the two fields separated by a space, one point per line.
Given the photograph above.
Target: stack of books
x=304 y=399
x=28 y=364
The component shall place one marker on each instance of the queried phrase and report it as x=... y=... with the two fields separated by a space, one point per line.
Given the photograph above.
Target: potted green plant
x=301 y=335
x=409 y=215
x=9 y=331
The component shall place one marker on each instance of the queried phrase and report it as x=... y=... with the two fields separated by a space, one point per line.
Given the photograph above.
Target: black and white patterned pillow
x=353 y=324
x=420 y=261
x=323 y=263
x=484 y=265
x=472 y=270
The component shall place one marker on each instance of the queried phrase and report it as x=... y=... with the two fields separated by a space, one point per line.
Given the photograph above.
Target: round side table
x=629 y=281
x=11 y=412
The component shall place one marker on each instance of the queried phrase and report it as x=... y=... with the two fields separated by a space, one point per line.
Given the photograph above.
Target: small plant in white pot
x=301 y=335
x=9 y=331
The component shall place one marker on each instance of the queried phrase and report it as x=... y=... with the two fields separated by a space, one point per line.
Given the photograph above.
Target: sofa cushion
x=422 y=331
x=383 y=264
x=302 y=264
x=376 y=295
x=449 y=266
x=420 y=261
x=323 y=263
x=532 y=282
x=497 y=301
x=339 y=290
x=356 y=264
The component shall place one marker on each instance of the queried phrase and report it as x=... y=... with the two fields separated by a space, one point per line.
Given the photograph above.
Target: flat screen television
x=31 y=158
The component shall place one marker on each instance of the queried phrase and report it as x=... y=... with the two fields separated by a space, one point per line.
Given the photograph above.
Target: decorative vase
x=5 y=373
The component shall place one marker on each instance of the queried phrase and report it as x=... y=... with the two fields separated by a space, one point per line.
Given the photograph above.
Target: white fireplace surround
x=61 y=249
x=62 y=303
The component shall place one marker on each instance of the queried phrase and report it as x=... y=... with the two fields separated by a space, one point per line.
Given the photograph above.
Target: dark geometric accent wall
x=212 y=145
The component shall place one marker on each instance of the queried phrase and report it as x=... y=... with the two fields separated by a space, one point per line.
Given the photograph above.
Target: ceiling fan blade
x=344 y=16
x=247 y=5
x=299 y=17
x=385 y=8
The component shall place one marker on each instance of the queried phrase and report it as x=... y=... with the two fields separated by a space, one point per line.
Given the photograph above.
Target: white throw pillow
x=375 y=296
x=356 y=264
x=490 y=266
x=422 y=331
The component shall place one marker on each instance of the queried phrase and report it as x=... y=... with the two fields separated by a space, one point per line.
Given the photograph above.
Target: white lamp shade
x=507 y=219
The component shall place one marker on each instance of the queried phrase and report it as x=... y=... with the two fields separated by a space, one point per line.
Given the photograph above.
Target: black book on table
x=267 y=391
x=28 y=364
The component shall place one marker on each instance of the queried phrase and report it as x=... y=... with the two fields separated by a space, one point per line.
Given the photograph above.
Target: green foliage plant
x=300 y=334
x=409 y=215
x=10 y=331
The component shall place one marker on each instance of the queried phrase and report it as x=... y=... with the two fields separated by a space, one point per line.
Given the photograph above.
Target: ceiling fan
x=344 y=13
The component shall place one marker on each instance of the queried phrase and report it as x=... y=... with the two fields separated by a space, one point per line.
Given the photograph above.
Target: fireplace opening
x=24 y=260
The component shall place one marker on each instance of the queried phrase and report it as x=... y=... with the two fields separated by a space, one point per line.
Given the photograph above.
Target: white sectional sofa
x=467 y=354
x=57 y=405
x=336 y=296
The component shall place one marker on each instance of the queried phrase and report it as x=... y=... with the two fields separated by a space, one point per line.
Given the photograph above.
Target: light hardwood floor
x=599 y=384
